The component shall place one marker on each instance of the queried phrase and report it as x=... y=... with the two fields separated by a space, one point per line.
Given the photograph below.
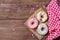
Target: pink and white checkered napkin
x=54 y=20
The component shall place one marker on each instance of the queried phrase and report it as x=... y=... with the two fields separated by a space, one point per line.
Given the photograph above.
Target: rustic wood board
x=16 y=9
x=13 y=14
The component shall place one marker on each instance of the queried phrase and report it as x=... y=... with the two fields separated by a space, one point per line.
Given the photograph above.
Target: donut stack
x=37 y=23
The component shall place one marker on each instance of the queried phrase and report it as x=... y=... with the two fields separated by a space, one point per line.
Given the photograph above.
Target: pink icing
x=32 y=23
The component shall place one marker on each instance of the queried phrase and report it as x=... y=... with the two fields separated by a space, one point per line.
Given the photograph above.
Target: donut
x=42 y=16
x=42 y=29
x=32 y=23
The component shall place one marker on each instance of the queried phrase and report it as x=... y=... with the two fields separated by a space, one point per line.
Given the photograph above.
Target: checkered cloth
x=54 y=19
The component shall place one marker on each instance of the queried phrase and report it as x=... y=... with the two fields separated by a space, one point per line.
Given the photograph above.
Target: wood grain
x=16 y=9
x=13 y=14
x=13 y=30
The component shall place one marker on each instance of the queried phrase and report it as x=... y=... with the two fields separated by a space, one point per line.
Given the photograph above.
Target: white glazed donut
x=42 y=16
x=42 y=29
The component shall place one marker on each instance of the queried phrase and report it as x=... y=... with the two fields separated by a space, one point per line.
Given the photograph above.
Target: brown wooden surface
x=13 y=14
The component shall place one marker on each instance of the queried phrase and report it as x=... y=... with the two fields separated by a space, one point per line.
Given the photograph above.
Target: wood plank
x=18 y=9
x=13 y=14
x=14 y=30
x=13 y=23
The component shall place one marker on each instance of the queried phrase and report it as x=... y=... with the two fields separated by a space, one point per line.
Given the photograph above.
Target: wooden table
x=13 y=14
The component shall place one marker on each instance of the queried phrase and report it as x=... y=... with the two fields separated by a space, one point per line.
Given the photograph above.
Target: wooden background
x=13 y=14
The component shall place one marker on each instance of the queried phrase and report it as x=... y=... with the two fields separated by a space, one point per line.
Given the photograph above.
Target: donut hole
x=32 y=23
x=41 y=16
x=42 y=28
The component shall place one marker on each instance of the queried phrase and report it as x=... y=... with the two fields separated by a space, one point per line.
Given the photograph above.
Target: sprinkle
x=31 y=35
x=37 y=5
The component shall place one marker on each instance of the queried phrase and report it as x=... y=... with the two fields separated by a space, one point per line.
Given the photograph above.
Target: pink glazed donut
x=32 y=23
